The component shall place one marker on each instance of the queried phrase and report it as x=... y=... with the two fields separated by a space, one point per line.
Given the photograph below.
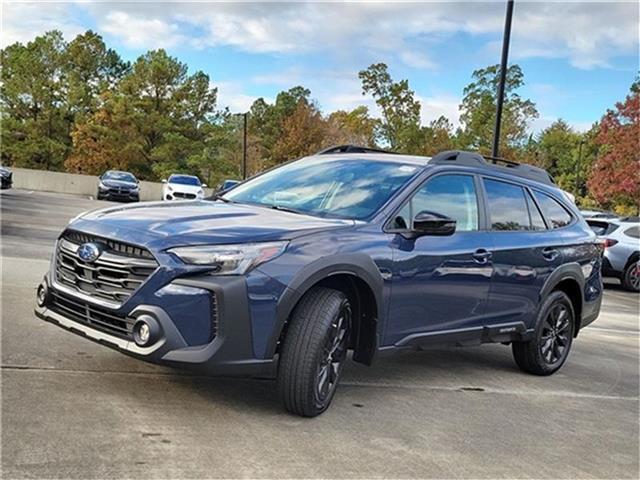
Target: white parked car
x=182 y=187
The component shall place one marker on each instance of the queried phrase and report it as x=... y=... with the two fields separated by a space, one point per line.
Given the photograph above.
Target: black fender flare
x=568 y=271
x=358 y=265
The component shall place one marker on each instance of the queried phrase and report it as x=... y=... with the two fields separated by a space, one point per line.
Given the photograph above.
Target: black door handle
x=481 y=256
x=550 y=253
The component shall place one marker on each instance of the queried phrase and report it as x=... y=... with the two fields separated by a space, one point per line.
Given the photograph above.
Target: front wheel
x=547 y=351
x=314 y=351
x=631 y=277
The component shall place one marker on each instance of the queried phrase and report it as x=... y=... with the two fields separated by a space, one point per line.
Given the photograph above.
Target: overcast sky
x=579 y=58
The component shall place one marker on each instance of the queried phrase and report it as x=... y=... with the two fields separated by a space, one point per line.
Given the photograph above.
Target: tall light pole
x=503 y=77
x=578 y=168
x=244 y=147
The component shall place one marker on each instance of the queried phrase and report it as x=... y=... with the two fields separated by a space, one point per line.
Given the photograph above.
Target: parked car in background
x=227 y=185
x=622 y=249
x=6 y=178
x=597 y=214
x=349 y=249
x=118 y=186
x=182 y=187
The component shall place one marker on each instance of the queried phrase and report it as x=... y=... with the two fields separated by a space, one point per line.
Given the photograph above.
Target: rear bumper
x=230 y=352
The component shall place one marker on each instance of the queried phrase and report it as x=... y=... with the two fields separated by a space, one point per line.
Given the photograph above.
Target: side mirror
x=164 y=180
x=432 y=223
x=204 y=185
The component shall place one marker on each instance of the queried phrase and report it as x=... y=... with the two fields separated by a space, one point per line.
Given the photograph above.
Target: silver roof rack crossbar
x=351 y=149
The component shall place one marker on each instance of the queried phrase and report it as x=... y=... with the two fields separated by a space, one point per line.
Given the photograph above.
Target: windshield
x=321 y=186
x=184 y=180
x=121 y=176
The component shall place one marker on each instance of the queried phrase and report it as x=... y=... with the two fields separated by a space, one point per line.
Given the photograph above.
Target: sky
x=578 y=58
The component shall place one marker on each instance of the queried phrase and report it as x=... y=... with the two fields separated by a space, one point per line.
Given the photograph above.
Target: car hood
x=161 y=225
x=118 y=183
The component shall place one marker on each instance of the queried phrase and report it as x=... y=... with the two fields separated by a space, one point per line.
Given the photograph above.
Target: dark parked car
x=6 y=178
x=347 y=249
x=119 y=186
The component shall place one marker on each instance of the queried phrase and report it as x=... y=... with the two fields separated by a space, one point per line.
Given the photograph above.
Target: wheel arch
x=358 y=277
x=568 y=279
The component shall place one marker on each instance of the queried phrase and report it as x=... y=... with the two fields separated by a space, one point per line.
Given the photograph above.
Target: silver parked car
x=622 y=249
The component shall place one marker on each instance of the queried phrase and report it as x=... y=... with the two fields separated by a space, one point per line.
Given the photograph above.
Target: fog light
x=143 y=332
x=41 y=295
x=146 y=331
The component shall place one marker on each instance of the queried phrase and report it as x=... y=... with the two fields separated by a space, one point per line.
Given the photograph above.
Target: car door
x=439 y=283
x=526 y=251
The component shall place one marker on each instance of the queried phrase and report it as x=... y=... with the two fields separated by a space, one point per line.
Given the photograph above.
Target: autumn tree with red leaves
x=615 y=177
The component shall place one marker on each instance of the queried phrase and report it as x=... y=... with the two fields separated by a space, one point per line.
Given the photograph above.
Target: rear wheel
x=548 y=350
x=314 y=351
x=631 y=276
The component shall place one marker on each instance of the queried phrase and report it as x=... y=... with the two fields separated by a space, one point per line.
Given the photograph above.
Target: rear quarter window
x=557 y=216
x=633 y=232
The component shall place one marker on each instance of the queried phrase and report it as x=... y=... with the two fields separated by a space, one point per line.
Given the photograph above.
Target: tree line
x=77 y=106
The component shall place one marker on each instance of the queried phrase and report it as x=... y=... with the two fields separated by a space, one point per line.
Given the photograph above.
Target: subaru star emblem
x=89 y=252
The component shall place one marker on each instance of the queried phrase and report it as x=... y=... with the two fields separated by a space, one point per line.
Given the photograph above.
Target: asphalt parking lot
x=75 y=409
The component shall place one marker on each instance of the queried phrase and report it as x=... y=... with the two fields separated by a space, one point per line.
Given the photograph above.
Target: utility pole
x=503 y=77
x=578 y=167
x=244 y=147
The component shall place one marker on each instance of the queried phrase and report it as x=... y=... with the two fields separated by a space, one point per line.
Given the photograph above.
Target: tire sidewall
x=552 y=300
x=626 y=282
x=321 y=406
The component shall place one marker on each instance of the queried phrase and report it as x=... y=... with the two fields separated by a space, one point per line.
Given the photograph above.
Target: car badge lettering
x=89 y=252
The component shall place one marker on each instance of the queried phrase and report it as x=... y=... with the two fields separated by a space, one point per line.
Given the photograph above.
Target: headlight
x=135 y=189
x=102 y=186
x=169 y=188
x=230 y=259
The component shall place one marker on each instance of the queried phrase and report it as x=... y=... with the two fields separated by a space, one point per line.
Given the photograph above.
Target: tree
x=158 y=111
x=400 y=124
x=35 y=131
x=303 y=133
x=437 y=137
x=615 y=176
x=91 y=70
x=355 y=127
x=479 y=112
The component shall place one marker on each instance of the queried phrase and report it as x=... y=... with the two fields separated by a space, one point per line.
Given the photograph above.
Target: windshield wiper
x=216 y=196
x=287 y=209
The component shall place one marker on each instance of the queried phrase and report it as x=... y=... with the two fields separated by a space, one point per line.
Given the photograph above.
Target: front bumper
x=178 y=308
x=119 y=195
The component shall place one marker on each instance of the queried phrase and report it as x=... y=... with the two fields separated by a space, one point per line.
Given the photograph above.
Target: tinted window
x=450 y=195
x=507 y=206
x=537 y=222
x=121 y=176
x=327 y=186
x=553 y=211
x=633 y=232
x=184 y=180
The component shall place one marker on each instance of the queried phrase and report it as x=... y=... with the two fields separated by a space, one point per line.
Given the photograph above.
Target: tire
x=547 y=351
x=631 y=276
x=314 y=351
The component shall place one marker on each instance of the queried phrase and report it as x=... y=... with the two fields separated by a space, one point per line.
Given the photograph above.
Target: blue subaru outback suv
x=349 y=249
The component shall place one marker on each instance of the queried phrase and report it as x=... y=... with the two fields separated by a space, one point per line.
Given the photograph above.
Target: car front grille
x=190 y=196
x=114 y=276
x=96 y=317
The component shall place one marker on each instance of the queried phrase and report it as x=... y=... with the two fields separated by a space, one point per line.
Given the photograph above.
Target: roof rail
x=471 y=159
x=351 y=149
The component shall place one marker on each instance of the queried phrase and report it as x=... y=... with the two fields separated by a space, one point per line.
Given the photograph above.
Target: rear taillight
x=608 y=242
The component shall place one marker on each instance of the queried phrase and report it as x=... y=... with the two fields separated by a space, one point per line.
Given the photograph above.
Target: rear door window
x=507 y=206
x=537 y=221
x=554 y=212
